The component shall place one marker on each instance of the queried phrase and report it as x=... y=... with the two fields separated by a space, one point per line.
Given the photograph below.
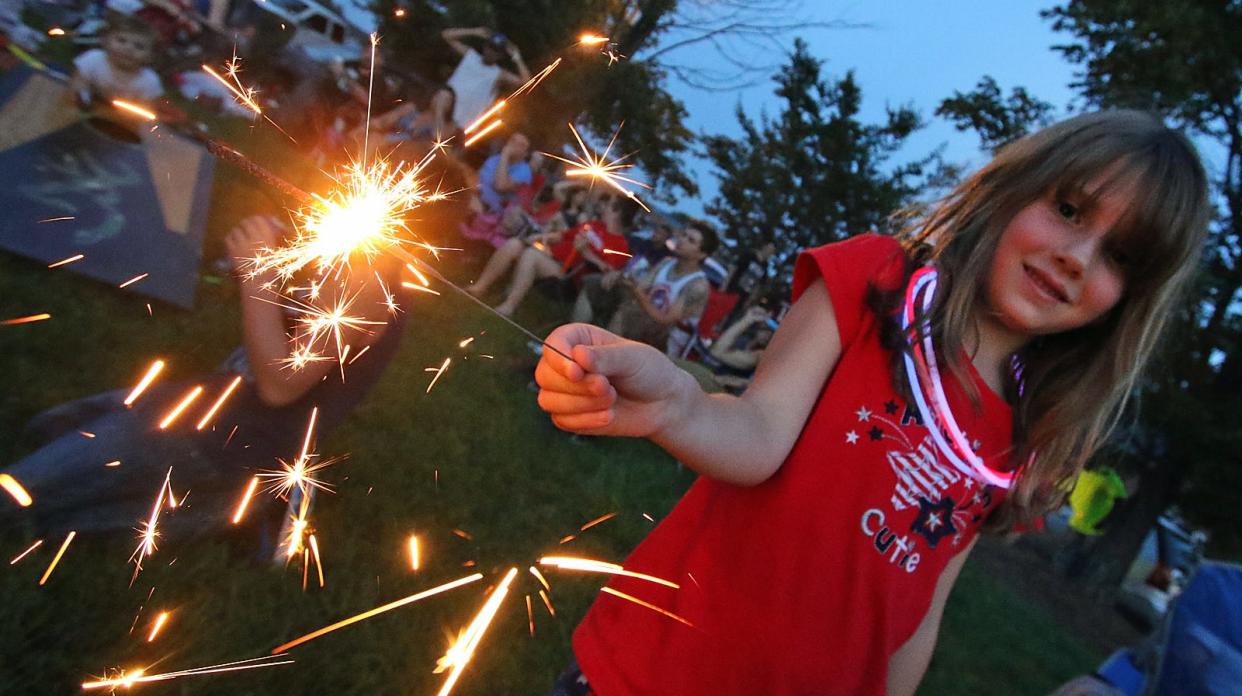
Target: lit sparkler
x=14 y=488
x=148 y=532
x=138 y=676
x=458 y=656
x=25 y=320
x=56 y=559
x=378 y=610
x=601 y=168
x=594 y=566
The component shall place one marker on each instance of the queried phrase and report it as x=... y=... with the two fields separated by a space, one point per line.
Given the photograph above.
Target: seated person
x=118 y=70
x=471 y=89
x=502 y=176
x=674 y=292
x=602 y=293
x=264 y=418
x=734 y=356
x=591 y=247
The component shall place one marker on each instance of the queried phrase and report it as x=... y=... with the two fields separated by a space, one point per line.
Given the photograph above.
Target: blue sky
x=914 y=53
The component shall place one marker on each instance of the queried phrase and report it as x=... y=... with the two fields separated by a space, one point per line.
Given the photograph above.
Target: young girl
x=841 y=494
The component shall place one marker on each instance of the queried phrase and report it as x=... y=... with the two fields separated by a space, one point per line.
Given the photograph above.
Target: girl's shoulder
x=849 y=269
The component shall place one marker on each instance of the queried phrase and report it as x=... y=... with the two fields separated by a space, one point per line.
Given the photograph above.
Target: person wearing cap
x=471 y=88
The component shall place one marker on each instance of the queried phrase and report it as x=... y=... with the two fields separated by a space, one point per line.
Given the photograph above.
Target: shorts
x=572 y=682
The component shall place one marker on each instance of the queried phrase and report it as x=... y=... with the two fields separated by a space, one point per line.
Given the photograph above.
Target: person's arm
x=264 y=335
x=681 y=308
x=523 y=73
x=908 y=665
x=454 y=37
x=388 y=120
x=740 y=359
x=618 y=387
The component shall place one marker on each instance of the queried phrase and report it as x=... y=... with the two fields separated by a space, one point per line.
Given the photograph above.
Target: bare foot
x=476 y=290
x=504 y=309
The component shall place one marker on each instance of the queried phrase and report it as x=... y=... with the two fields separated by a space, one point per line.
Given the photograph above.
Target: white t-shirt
x=142 y=85
x=474 y=83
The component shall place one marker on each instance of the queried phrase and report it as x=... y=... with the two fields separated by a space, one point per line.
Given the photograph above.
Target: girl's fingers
x=548 y=377
x=584 y=423
x=560 y=404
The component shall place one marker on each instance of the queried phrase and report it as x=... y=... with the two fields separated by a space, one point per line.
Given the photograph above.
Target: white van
x=322 y=33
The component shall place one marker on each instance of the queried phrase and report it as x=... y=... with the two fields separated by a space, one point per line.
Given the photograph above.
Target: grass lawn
x=474 y=455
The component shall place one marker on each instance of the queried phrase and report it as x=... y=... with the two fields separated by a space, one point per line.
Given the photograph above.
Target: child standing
x=120 y=69
x=841 y=494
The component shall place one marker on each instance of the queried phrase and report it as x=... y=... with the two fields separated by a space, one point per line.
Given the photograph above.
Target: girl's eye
x=1118 y=255
x=1068 y=210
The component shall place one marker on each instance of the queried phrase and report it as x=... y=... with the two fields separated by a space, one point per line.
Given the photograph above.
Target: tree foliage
x=815 y=173
x=1182 y=59
x=997 y=120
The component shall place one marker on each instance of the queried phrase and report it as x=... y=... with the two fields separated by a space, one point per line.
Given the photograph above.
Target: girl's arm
x=908 y=665
x=618 y=387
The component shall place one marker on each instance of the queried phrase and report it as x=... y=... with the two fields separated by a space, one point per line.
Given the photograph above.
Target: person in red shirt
x=591 y=247
x=917 y=392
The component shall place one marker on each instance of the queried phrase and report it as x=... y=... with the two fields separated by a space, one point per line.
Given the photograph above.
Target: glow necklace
x=927 y=387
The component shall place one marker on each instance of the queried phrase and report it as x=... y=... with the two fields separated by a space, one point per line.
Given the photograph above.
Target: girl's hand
x=613 y=386
x=252 y=236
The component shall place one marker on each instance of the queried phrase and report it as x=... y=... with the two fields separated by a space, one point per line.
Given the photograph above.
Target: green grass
x=475 y=454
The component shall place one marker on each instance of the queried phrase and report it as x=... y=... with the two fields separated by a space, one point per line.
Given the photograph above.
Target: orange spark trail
x=52 y=566
x=439 y=372
x=530 y=617
x=241 y=507
x=592 y=40
x=128 y=679
x=310 y=430
x=594 y=566
x=185 y=402
x=318 y=563
x=535 y=79
x=20 y=556
x=486 y=115
x=133 y=280
x=242 y=97
x=145 y=382
x=15 y=489
x=25 y=320
x=458 y=656
x=414 y=556
x=597 y=520
x=159 y=623
x=148 y=532
x=547 y=602
x=134 y=109
x=539 y=576
x=490 y=127
x=64 y=262
x=219 y=402
x=648 y=605
x=379 y=610
x=412 y=286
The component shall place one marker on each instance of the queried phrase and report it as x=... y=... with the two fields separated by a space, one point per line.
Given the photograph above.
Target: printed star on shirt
x=851 y=437
x=890 y=407
x=875 y=433
x=934 y=521
x=863 y=414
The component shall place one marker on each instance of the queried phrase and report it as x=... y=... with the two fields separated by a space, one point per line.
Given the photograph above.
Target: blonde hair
x=1075 y=384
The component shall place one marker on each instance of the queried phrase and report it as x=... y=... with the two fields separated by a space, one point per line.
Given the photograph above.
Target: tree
x=1181 y=59
x=815 y=173
x=626 y=83
x=997 y=121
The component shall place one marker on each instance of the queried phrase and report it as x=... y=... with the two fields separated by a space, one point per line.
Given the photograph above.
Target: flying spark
x=486 y=115
x=211 y=413
x=159 y=624
x=189 y=398
x=23 y=554
x=145 y=382
x=601 y=168
x=148 y=531
x=439 y=372
x=128 y=679
x=25 y=320
x=648 y=605
x=598 y=520
x=133 y=280
x=52 y=566
x=65 y=262
x=14 y=488
x=134 y=109
x=414 y=555
x=488 y=129
x=245 y=501
x=378 y=610
x=594 y=566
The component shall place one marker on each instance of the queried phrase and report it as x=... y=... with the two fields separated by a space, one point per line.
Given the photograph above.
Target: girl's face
x=1057 y=266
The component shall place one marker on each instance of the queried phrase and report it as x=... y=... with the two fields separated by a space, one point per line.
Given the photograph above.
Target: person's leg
x=441 y=113
x=532 y=265
x=496 y=266
x=582 y=312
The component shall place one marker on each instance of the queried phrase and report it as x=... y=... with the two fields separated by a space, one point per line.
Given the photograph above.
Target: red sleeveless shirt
x=808 y=582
